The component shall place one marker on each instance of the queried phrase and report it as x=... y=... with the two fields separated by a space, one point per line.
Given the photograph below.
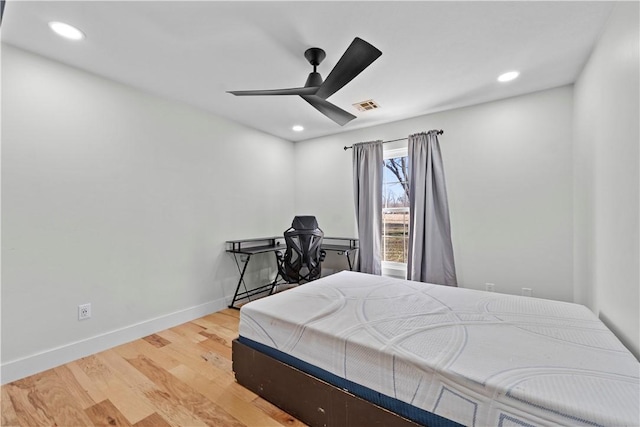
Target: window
x=395 y=209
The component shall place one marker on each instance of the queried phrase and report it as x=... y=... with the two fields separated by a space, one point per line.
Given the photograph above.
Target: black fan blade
x=358 y=56
x=336 y=114
x=290 y=91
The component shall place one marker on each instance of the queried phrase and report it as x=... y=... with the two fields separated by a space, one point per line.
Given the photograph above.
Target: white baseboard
x=23 y=367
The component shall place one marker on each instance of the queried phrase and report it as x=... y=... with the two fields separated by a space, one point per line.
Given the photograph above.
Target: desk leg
x=241 y=281
x=346 y=255
x=349 y=262
x=247 y=294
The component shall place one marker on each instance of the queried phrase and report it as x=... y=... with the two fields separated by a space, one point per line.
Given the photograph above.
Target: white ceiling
x=435 y=55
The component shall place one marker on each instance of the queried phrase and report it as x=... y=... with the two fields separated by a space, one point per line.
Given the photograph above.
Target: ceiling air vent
x=366 y=105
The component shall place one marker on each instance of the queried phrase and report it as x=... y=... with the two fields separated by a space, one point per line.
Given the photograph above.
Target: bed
x=355 y=349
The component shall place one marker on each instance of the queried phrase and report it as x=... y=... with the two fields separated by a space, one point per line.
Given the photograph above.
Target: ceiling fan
x=358 y=56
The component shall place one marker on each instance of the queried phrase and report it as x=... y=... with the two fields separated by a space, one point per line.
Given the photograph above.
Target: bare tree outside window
x=400 y=168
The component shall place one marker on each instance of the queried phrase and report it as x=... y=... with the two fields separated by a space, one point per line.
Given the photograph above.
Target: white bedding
x=477 y=358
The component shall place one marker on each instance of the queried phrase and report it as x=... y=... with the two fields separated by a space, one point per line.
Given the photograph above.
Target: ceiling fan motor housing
x=314 y=80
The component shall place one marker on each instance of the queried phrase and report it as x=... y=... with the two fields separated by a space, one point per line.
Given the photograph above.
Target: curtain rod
x=440 y=132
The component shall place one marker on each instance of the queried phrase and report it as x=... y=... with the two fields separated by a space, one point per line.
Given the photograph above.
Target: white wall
x=120 y=199
x=607 y=190
x=508 y=168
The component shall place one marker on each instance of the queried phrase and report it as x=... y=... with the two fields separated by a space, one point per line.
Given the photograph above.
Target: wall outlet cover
x=84 y=311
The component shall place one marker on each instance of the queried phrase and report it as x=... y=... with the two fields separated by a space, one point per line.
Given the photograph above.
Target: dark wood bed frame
x=305 y=397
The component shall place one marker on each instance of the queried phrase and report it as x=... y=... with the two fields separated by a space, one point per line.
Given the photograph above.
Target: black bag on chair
x=302 y=259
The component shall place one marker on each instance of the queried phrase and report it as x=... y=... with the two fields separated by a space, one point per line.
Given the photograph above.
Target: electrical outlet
x=84 y=311
x=526 y=292
x=489 y=287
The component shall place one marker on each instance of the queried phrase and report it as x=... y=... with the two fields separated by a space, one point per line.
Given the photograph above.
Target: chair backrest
x=303 y=257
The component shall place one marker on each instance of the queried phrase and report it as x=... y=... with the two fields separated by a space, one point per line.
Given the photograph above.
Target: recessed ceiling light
x=297 y=128
x=507 y=77
x=66 y=30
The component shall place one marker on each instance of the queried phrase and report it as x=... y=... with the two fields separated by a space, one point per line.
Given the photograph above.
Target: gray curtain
x=430 y=248
x=367 y=189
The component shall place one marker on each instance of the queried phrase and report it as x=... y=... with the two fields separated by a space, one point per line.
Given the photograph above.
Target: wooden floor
x=178 y=377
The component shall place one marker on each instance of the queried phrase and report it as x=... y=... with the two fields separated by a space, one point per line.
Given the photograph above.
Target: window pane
x=395 y=235
x=394 y=195
x=395 y=215
x=394 y=250
x=396 y=170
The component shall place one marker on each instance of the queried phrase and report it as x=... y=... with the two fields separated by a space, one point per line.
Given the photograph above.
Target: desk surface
x=266 y=244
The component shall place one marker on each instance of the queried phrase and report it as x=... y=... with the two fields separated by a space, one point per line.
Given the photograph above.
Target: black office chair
x=302 y=259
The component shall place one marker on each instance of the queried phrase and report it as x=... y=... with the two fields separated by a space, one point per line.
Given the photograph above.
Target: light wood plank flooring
x=178 y=377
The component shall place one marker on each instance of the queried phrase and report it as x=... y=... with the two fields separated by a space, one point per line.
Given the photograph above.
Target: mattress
x=473 y=357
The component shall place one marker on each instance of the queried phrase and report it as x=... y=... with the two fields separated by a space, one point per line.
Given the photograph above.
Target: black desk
x=242 y=250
